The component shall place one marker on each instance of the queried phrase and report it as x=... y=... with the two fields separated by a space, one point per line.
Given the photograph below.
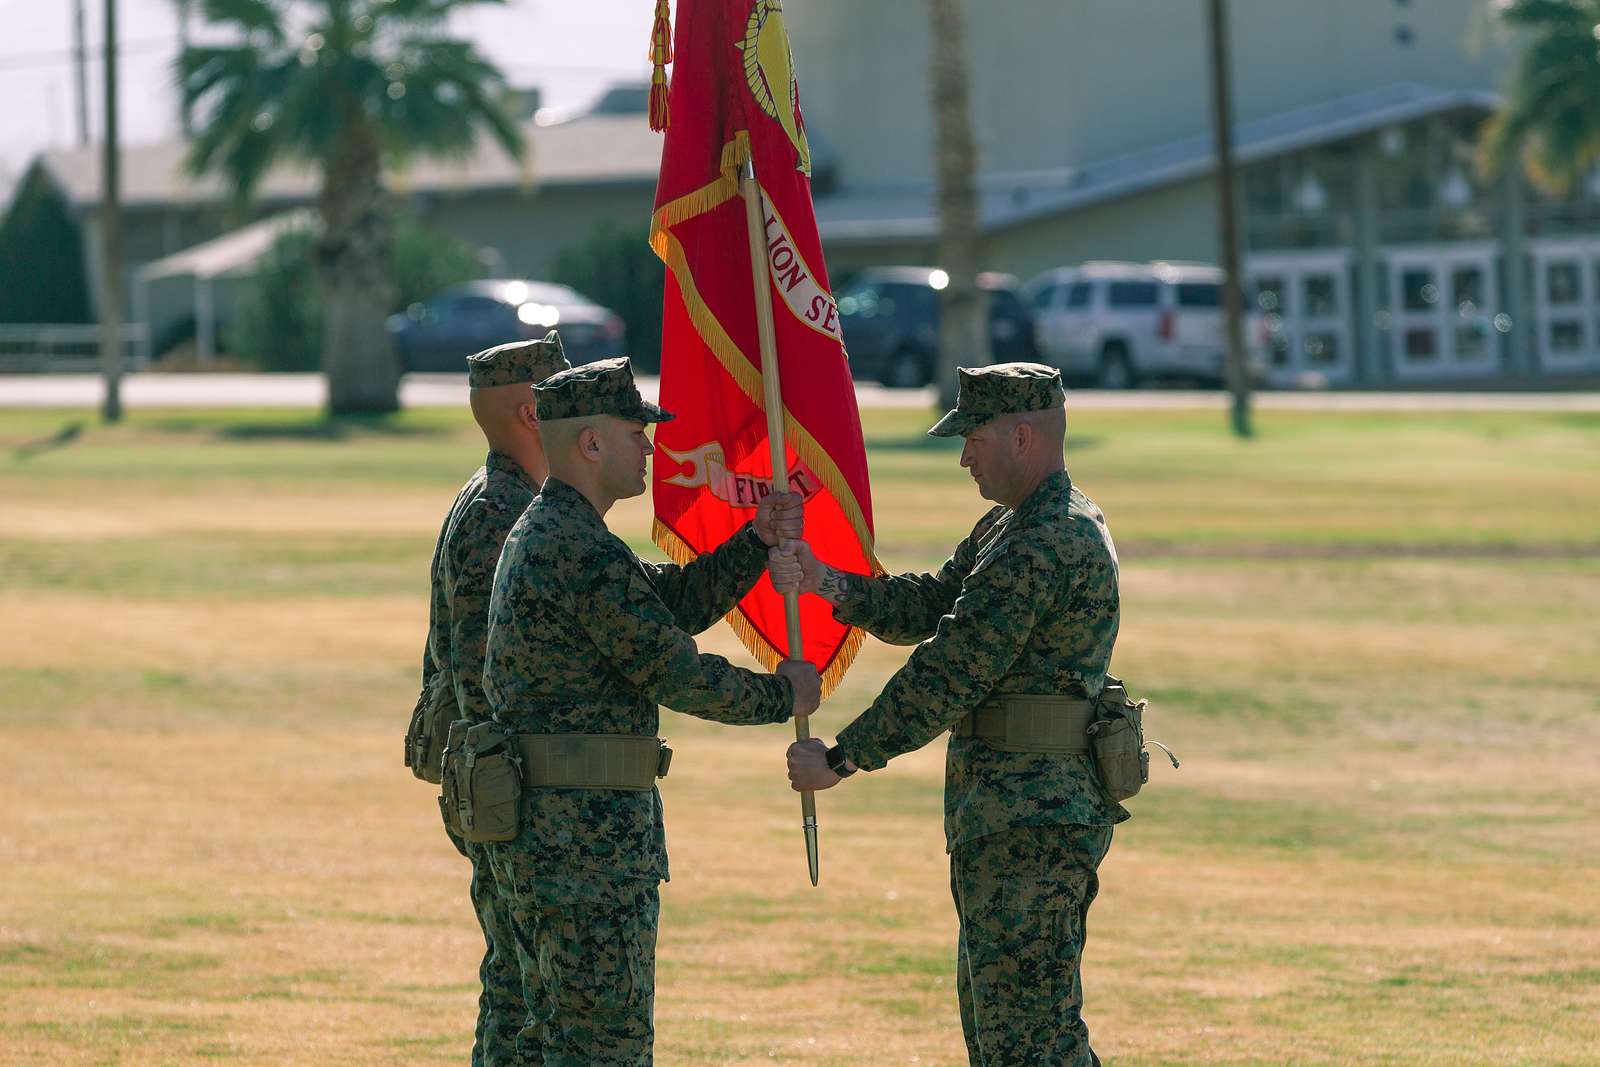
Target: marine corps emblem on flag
x=769 y=70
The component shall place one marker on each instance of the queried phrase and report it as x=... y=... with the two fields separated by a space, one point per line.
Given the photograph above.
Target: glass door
x=1443 y=314
x=1304 y=299
x=1566 y=289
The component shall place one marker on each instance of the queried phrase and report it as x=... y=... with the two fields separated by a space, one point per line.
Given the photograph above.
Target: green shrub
x=42 y=275
x=277 y=324
x=615 y=267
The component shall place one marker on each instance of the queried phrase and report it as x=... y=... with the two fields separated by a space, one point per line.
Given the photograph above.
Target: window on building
x=1321 y=295
x=1269 y=293
x=1466 y=289
x=1322 y=349
x=1563 y=282
x=1418 y=290
x=1566 y=335
x=1420 y=344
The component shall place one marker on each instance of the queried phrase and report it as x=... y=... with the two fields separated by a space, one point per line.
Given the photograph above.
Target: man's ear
x=589 y=443
x=528 y=415
x=1021 y=438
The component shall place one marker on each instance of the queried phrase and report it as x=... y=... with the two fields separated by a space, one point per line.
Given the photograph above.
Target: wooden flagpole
x=772 y=391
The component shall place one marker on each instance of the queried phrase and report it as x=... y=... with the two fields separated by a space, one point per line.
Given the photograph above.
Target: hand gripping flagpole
x=772 y=391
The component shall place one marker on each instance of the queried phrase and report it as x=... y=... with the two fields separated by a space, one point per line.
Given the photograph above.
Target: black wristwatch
x=836 y=762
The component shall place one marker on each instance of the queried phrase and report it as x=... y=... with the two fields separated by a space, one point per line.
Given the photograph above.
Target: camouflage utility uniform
x=458 y=628
x=1028 y=604
x=586 y=638
x=461 y=577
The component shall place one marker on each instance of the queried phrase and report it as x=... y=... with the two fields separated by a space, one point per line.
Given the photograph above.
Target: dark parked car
x=439 y=333
x=891 y=323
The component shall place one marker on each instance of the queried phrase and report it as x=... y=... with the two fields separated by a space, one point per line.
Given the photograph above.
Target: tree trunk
x=358 y=354
x=963 y=327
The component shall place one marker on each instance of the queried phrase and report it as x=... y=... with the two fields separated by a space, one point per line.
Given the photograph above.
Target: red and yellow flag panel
x=733 y=98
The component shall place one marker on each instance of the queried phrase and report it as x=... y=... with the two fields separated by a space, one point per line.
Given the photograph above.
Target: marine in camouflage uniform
x=1027 y=604
x=462 y=577
x=586 y=638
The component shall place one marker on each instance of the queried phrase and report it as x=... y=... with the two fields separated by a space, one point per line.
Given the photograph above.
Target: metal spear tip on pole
x=811 y=847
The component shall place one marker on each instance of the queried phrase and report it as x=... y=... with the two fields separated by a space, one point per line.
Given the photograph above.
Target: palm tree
x=1551 y=114
x=350 y=87
x=963 y=326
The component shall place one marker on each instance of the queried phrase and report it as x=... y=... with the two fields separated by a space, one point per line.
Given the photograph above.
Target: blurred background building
x=1372 y=237
x=1369 y=228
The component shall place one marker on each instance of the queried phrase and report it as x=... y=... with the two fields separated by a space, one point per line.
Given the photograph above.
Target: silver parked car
x=1120 y=324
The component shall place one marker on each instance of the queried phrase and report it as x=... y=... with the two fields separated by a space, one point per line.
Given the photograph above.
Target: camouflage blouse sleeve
x=971 y=651
x=705 y=589
x=626 y=618
x=473 y=552
x=904 y=609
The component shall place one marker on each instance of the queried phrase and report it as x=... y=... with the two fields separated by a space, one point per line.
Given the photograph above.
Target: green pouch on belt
x=430 y=726
x=1117 y=744
x=482 y=780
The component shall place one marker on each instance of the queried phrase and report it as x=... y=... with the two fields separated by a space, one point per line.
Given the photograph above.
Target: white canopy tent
x=233 y=254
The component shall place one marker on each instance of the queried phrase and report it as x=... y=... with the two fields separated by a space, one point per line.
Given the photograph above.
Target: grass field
x=1372 y=639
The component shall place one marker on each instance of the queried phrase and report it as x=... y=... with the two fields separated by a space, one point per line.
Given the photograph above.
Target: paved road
x=448 y=390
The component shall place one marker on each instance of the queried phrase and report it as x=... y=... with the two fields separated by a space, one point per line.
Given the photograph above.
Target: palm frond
x=1549 y=119
x=251 y=16
x=451 y=92
x=422 y=12
x=383 y=71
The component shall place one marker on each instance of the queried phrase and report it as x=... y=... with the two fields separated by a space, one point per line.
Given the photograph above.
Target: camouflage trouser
x=1022 y=897
x=587 y=949
x=501 y=1004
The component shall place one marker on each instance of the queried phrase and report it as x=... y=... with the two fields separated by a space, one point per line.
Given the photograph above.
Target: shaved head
x=508 y=416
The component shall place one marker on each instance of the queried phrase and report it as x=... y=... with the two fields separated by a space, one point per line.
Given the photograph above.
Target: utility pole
x=80 y=61
x=111 y=236
x=1232 y=283
x=183 y=47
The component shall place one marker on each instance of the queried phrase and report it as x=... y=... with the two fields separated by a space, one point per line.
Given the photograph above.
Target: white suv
x=1117 y=324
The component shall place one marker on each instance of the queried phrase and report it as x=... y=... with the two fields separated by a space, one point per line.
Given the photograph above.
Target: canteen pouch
x=452 y=778
x=482 y=781
x=430 y=726
x=1117 y=744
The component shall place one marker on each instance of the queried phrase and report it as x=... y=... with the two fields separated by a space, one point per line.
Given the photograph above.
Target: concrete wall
x=530 y=229
x=1177 y=222
x=1064 y=82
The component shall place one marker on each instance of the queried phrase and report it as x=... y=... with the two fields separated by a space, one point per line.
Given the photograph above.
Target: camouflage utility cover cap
x=604 y=387
x=517 y=363
x=1003 y=389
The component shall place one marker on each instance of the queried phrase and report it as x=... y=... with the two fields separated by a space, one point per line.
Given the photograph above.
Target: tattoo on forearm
x=833 y=584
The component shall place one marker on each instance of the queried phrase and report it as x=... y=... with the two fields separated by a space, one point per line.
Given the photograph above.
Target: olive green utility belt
x=592 y=761
x=1022 y=722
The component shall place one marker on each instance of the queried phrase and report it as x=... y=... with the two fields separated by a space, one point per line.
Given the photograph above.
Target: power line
x=54 y=57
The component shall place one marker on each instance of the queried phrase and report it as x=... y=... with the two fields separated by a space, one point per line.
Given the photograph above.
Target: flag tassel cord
x=772 y=395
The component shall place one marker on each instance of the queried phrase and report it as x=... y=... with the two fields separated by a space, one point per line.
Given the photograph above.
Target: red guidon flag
x=733 y=98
